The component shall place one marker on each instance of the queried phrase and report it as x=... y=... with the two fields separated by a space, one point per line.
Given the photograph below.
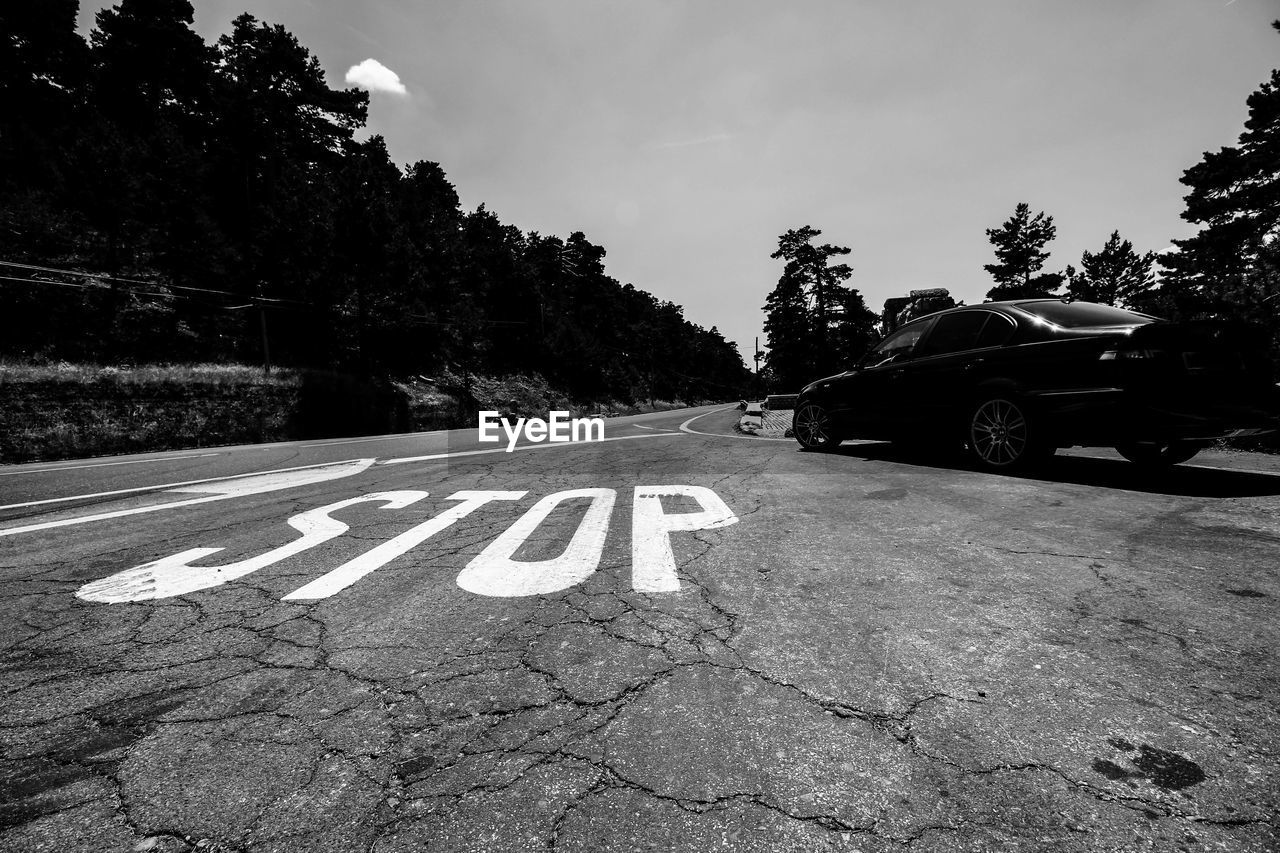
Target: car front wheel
x=1158 y=454
x=814 y=428
x=1002 y=437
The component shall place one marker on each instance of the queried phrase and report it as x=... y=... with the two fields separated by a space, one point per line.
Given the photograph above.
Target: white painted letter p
x=653 y=564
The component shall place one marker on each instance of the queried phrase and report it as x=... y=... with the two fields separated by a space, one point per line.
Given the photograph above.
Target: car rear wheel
x=1003 y=438
x=1158 y=454
x=814 y=428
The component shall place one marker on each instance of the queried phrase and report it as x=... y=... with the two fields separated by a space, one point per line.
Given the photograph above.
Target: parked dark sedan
x=1013 y=381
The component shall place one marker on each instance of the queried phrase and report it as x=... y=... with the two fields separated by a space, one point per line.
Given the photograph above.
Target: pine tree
x=1116 y=275
x=1019 y=246
x=811 y=266
x=855 y=328
x=1228 y=267
x=787 y=327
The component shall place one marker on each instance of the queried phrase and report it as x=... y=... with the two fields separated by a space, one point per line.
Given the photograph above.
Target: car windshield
x=1077 y=315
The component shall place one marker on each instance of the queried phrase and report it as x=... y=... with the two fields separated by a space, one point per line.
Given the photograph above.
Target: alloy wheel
x=999 y=434
x=813 y=427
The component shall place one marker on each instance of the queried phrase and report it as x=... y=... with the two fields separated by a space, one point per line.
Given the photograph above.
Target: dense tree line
x=164 y=199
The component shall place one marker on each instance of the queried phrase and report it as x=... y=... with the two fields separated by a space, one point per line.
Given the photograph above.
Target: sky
x=685 y=136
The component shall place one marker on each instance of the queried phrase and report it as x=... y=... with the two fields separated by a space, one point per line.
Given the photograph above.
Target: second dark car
x=1013 y=381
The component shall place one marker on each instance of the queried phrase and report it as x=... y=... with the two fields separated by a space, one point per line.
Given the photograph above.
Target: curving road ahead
x=679 y=638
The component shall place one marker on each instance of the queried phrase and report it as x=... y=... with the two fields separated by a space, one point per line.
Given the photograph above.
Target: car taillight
x=1128 y=354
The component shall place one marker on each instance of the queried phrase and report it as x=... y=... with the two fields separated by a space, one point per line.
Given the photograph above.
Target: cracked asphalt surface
x=886 y=652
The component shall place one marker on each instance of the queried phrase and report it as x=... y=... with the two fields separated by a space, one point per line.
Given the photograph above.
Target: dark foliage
x=815 y=325
x=1116 y=275
x=1231 y=267
x=1020 y=254
x=162 y=199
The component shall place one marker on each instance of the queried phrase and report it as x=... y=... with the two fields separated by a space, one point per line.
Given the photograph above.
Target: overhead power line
x=103 y=277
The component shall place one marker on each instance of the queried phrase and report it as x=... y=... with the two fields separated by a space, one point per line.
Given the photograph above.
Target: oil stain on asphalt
x=1167 y=770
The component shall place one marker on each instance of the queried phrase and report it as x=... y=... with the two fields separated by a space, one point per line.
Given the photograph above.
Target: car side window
x=997 y=332
x=954 y=333
x=897 y=346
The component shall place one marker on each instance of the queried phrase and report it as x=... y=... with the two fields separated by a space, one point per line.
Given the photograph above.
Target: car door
x=949 y=362
x=871 y=396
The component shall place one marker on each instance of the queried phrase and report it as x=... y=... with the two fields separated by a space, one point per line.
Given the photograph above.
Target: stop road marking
x=494 y=572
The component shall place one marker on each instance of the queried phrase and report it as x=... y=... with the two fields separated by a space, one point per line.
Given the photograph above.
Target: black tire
x=814 y=428
x=1002 y=437
x=1158 y=454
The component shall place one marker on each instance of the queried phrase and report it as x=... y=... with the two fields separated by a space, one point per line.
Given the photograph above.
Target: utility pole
x=757 y=358
x=262 y=319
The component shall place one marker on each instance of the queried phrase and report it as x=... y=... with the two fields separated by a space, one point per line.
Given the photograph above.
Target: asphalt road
x=715 y=642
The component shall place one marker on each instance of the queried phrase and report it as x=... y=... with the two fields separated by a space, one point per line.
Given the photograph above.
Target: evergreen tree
x=1228 y=268
x=282 y=134
x=160 y=163
x=1019 y=246
x=811 y=266
x=787 y=327
x=43 y=63
x=1116 y=275
x=855 y=328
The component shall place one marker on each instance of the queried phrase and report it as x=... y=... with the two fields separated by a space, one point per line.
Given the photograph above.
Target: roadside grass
x=205 y=374
x=63 y=410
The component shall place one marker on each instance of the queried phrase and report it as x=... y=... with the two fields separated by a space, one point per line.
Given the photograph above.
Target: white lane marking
x=655 y=429
x=163 y=486
x=250 y=484
x=494 y=572
x=396 y=437
x=352 y=570
x=684 y=427
x=174 y=575
x=653 y=564
x=403 y=459
x=105 y=464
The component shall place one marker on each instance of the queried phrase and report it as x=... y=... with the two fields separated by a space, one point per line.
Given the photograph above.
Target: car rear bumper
x=1107 y=416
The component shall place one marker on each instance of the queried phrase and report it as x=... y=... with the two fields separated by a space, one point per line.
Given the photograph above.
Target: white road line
x=162 y=486
x=105 y=464
x=376 y=438
x=403 y=459
x=655 y=429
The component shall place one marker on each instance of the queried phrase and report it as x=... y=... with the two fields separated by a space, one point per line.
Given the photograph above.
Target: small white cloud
x=376 y=77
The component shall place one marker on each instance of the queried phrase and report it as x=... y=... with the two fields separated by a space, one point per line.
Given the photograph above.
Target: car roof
x=1007 y=304
x=981 y=305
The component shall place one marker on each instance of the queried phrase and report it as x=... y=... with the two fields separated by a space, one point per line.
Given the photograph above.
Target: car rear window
x=954 y=333
x=1076 y=315
x=997 y=332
